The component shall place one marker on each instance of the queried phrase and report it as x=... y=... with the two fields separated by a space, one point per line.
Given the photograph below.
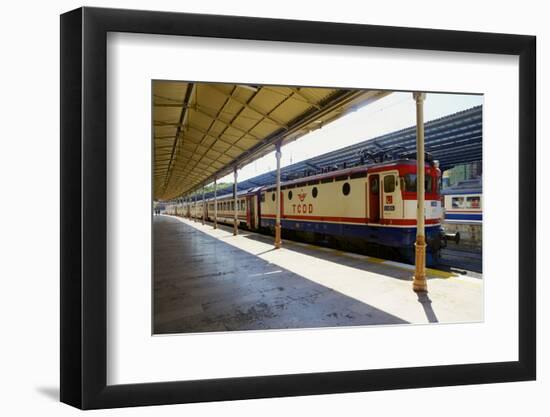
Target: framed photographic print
x=256 y=208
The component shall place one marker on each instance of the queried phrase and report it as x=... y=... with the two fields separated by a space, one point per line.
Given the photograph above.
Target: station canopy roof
x=203 y=130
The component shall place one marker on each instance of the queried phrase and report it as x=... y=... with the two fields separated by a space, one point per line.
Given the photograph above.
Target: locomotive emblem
x=302 y=196
x=389 y=199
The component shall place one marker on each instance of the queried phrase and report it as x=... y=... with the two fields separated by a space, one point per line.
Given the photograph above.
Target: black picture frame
x=84 y=207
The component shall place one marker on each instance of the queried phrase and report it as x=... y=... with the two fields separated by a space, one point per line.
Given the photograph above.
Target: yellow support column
x=195 y=209
x=215 y=203
x=419 y=281
x=278 y=199
x=235 y=229
x=203 y=206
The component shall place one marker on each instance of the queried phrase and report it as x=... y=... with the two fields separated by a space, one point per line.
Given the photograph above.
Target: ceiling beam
x=183 y=118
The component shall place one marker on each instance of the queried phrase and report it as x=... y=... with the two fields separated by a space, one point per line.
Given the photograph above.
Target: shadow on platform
x=203 y=284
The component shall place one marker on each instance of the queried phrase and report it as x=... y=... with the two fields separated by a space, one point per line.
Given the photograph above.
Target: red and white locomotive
x=365 y=208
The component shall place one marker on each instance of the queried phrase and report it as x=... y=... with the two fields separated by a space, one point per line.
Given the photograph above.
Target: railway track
x=462 y=259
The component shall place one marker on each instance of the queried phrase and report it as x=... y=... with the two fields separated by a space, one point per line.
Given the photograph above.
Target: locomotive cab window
x=428 y=183
x=389 y=183
x=409 y=181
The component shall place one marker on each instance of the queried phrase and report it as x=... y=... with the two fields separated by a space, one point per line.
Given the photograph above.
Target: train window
x=473 y=202
x=458 y=202
x=262 y=198
x=389 y=183
x=314 y=192
x=410 y=183
x=374 y=185
x=428 y=184
x=346 y=188
x=290 y=195
x=233 y=206
x=273 y=196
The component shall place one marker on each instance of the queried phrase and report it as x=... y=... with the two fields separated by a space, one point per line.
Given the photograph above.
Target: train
x=369 y=208
x=462 y=206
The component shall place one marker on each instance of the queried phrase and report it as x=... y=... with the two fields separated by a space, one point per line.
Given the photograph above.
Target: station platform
x=207 y=279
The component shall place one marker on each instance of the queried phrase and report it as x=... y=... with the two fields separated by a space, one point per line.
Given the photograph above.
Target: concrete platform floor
x=209 y=280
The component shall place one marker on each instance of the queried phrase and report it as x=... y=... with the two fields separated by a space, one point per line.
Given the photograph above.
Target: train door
x=373 y=193
x=258 y=201
x=392 y=204
x=251 y=212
